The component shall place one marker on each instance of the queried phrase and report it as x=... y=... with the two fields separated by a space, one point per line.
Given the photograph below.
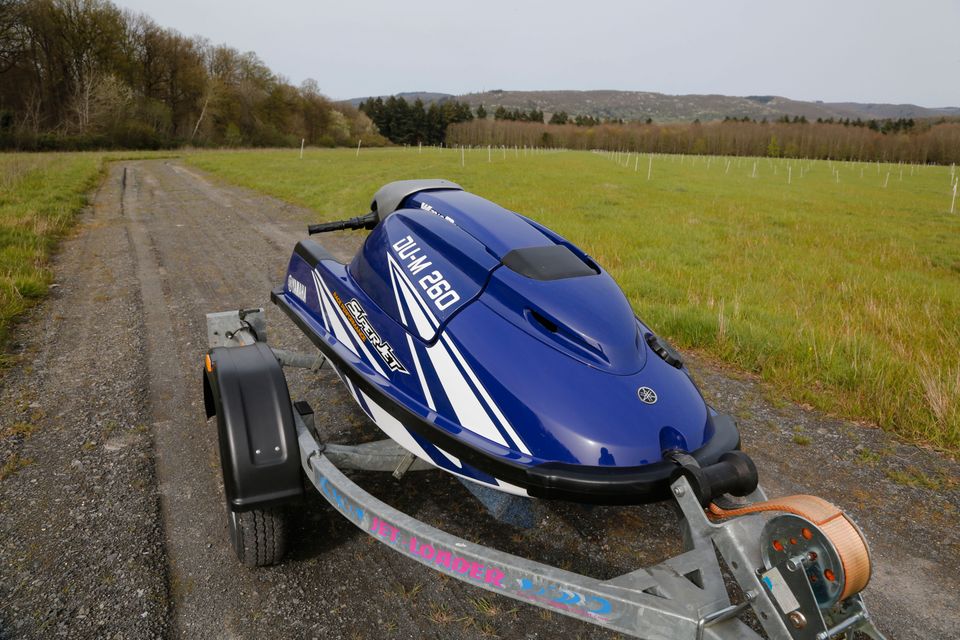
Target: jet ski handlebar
x=368 y=221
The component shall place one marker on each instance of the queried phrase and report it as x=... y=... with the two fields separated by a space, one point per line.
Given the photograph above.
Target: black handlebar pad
x=368 y=221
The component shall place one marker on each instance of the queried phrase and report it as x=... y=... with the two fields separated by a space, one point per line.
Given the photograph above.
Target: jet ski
x=491 y=347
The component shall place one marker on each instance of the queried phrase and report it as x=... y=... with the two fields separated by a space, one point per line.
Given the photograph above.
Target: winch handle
x=368 y=221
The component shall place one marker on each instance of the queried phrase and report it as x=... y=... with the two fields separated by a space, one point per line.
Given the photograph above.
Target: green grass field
x=40 y=195
x=840 y=291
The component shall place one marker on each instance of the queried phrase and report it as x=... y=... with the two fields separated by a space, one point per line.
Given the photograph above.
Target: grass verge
x=40 y=195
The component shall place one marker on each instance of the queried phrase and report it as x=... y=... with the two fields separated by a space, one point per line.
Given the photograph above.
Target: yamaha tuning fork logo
x=647 y=395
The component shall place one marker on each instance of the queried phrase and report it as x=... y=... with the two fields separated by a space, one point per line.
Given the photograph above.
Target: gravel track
x=117 y=526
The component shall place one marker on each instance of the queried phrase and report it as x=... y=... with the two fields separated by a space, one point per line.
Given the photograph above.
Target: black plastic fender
x=259 y=454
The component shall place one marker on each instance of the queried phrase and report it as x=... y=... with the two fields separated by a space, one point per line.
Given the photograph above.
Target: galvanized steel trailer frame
x=682 y=597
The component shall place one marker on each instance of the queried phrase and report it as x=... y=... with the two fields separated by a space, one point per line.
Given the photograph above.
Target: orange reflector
x=806 y=533
x=778 y=545
x=207 y=363
x=829 y=575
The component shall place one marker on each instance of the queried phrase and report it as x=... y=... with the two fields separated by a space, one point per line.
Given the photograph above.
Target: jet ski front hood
x=523 y=339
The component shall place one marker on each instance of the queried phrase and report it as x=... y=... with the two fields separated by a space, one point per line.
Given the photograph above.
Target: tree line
x=78 y=74
x=926 y=141
x=405 y=123
x=502 y=113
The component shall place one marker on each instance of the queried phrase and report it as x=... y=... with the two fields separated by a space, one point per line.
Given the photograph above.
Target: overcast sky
x=839 y=50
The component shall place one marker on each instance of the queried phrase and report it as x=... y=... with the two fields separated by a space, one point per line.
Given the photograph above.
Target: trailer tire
x=258 y=536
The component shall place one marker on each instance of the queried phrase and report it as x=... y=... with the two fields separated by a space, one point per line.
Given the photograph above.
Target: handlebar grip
x=368 y=221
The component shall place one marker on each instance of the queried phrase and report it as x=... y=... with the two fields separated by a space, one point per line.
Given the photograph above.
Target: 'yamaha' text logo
x=647 y=395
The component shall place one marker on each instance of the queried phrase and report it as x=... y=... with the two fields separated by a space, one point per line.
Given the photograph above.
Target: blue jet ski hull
x=494 y=349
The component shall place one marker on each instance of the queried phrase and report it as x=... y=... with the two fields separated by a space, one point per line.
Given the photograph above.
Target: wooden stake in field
x=302 y=142
x=463 y=159
x=636 y=163
x=489 y=158
x=727 y=170
x=886 y=180
x=953 y=200
x=420 y=147
x=358 y=146
x=650 y=167
x=754 y=169
x=789 y=174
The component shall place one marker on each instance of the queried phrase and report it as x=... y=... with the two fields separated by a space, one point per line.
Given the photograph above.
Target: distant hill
x=639 y=105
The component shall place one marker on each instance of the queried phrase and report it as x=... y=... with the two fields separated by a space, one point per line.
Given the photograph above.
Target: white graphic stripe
x=399 y=434
x=413 y=350
x=338 y=329
x=323 y=313
x=486 y=396
x=423 y=381
x=395 y=429
x=397 y=274
x=454 y=460
x=499 y=484
x=462 y=398
x=470 y=413
x=420 y=321
x=361 y=343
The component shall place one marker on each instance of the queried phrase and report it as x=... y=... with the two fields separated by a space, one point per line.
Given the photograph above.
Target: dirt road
x=116 y=526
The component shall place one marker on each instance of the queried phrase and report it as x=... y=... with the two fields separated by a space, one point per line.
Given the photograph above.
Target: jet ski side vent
x=565 y=337
x=544 y=322
x=663 y=349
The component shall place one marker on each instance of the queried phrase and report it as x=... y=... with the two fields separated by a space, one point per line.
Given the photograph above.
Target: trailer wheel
x=259 y=536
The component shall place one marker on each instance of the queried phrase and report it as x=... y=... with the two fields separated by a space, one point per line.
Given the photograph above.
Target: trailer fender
x=259 y=454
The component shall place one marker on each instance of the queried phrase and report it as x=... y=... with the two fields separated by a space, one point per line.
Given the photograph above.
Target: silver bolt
x=796 y=563
x=276 y=448
x=678 y=491
x=257 y=452
x=797 y=619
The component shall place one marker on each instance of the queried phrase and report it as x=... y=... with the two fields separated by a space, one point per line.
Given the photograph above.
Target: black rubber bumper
x=626 y=485
x=555 y=480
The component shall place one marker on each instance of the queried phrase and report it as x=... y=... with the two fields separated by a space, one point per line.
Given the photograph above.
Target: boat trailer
x=798 y=562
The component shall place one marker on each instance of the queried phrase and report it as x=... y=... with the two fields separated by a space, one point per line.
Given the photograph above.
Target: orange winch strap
x=839 y=529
